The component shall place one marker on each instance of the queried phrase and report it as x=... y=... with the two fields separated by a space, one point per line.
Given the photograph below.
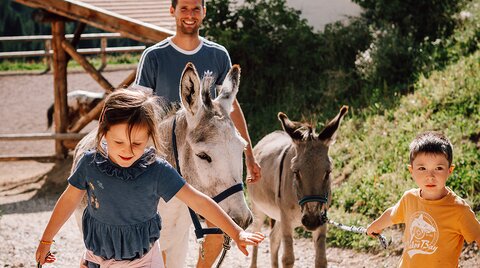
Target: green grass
x=39 y=65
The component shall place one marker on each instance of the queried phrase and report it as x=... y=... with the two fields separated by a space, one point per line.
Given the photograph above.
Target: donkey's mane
x=307 y=132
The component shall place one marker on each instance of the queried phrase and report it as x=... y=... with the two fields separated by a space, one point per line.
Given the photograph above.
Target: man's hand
x=253 y=169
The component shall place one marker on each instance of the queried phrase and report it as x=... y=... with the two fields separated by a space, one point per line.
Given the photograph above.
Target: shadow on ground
x=37 y=193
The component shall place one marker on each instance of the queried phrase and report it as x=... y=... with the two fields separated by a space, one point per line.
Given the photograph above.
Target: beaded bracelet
x=47 y=242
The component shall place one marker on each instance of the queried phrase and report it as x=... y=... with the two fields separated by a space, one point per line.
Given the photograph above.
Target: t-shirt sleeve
x=169 y=181
x=226 y=65
x=77 y=178
x=146 y=70
x=469 y=226
x=398 y=212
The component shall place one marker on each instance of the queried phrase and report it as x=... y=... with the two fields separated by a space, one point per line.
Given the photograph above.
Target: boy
x=437 y=221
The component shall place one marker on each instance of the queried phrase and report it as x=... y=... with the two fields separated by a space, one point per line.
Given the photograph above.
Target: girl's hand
x=43 y=254
x=246 y=238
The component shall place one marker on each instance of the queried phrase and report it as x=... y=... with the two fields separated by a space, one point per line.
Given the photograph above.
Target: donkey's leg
x=258 y=218
x=319 y=240
x=176 y=255
x=288 y=257
x=275 y=240
x=212 y=247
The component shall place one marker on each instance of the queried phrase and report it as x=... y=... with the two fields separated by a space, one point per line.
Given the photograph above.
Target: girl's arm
x=64 y=208
x=384 y=221
x=211 y=211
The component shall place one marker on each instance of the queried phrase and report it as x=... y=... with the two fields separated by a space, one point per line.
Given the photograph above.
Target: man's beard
x=189 y=31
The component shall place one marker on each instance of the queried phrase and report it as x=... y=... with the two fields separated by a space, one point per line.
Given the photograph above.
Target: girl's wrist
x=47 y=242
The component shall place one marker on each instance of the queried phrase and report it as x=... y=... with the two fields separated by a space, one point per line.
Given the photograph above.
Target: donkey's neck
x=166 y=135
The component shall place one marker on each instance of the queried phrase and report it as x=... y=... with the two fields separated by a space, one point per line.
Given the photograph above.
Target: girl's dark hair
x=431 y=142
x=135 y=107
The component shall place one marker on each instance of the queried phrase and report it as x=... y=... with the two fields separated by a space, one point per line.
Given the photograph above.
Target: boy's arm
x=240 y=123
x=384 y=221
x=211 y=211
x=64 y=208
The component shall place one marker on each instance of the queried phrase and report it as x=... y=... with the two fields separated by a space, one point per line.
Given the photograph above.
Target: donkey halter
x=323 y=199
x=200 y=232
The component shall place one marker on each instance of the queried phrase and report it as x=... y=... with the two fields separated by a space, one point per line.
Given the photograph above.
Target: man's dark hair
x=431 y=142
x=174 y=3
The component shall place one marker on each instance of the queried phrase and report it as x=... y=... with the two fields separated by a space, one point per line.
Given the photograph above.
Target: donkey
x=295 y=186
x=209 y=155
x=79 y=103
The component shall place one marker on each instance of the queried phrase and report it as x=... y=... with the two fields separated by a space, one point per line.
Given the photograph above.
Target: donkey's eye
x=204 y=156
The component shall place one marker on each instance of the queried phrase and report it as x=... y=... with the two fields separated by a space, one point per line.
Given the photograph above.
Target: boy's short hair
x=174 y=3
x=431 y=142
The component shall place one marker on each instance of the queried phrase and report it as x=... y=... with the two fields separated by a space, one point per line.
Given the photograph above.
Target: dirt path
x=26 y=201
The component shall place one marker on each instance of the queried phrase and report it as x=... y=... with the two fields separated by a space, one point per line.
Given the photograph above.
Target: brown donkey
x=295 y=186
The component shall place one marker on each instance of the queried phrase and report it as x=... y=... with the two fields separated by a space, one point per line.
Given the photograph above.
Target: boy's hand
x=247 y=238
x=373 y=231
x=43 y=254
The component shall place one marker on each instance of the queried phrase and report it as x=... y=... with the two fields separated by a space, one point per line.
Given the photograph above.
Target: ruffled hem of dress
x=120 y=242
x=125 y=173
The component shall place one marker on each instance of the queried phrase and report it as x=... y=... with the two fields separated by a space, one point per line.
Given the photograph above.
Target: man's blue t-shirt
x=161 y=66
x=121 y=219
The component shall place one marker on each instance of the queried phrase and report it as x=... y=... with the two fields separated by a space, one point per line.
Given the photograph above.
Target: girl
x=124 y=181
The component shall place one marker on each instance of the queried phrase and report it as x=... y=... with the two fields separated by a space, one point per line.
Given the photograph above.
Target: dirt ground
x=28 y=191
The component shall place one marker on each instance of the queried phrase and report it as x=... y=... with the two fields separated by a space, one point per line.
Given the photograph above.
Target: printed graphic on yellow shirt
x=423 y=233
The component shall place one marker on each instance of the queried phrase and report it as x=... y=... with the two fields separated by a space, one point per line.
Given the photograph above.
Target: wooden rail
x=47 y=52
x=42 y=136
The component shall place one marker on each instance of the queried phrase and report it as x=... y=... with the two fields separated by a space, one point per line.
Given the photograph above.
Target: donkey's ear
x=295 y=130
x=229 y=88
x=328 y=134
x=190 y=88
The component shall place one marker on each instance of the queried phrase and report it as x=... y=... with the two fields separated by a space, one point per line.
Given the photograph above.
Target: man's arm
x=253 y=169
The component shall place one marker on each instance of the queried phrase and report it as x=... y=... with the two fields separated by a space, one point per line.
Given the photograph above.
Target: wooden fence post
x=60 y=85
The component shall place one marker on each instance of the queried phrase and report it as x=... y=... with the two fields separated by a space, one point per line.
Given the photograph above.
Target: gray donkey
x=295 y=186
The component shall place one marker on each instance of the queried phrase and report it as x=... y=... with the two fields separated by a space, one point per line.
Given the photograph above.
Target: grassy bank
x=371 y=152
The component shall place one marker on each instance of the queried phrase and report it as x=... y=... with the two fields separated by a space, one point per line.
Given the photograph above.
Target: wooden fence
x=47 y=52
x=68 y=140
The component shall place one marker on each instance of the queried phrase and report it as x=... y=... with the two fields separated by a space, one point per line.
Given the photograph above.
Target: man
x=161 y=66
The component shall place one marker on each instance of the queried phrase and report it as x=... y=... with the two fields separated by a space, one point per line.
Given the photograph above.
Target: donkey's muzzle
x=312 y=221
x=244 y=222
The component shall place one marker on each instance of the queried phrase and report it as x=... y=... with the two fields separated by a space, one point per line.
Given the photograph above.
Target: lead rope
x=360 y=230
x=226 y=247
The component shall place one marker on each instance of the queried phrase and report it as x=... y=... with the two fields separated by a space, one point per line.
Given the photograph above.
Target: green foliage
x=419 y=18
x=284 y=61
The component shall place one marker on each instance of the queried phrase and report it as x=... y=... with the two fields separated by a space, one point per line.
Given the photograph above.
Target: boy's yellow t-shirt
x=434 y=229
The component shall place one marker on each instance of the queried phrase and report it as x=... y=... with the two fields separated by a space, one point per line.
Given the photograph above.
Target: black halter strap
x=200 y=232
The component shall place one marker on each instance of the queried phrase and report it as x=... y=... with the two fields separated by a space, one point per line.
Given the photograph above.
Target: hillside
x=371 y=152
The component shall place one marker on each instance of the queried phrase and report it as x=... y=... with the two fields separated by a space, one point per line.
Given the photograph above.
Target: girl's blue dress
x=121 y=221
